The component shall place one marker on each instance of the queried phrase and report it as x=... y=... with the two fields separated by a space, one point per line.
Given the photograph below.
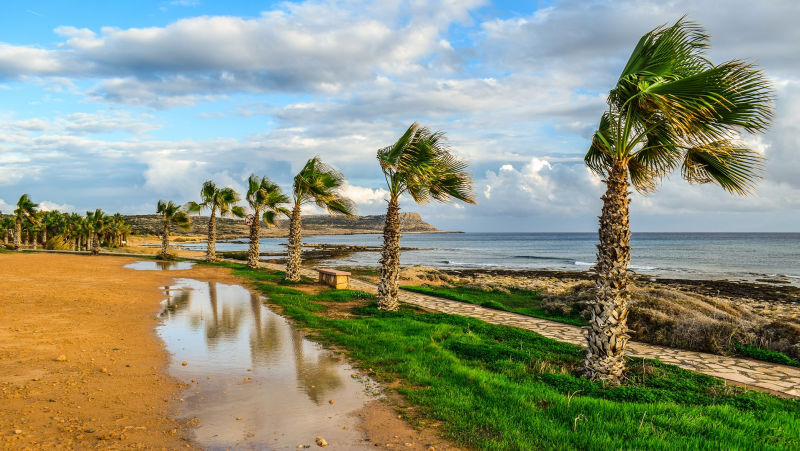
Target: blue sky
x=116 y=105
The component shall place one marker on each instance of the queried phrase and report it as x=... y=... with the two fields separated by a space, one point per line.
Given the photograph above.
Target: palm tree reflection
x=316 y=375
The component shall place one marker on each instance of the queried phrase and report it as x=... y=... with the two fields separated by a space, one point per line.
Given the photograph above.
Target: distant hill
x=312 y=224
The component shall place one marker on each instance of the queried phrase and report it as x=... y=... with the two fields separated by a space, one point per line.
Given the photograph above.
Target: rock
x=17 y=431
x=61 y=358
x=238 y=418
x=104 y=370
x=321 y=442
x=331 y=401
x=184 y=363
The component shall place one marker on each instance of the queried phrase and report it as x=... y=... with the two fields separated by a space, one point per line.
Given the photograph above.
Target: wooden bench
x=336 y=279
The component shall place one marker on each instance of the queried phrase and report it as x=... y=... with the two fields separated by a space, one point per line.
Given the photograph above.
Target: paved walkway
x=752 y=373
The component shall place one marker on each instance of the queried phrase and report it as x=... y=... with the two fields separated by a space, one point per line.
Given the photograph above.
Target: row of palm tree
x=29 y=226
x=419 y=164
x=670 y=108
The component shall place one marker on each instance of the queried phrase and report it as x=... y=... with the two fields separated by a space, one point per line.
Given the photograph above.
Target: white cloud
x=310 y=46
x=369 y=200
x=539 y=187
x=46 y=205
x=5 y=207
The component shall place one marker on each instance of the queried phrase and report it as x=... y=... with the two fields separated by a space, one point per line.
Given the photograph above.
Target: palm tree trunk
x=17 y=233
x=44 y=236
x=95 y=243
x=295 y=246
x=211 y=248
x=35 y=240
x=606 y=334
x=165 y=240
x=255 y=229
x=390 y=259
x=76 y=244
x=5 y=238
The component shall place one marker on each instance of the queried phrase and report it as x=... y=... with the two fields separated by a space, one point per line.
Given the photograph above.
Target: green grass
x=516 y=301
x=765 y=354
x=501 y=388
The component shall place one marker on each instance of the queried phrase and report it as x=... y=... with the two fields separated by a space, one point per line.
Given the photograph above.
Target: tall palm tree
x=319 y=183
x=670 y=108
x=26 y=209
x=265 y=199
x=171 y=214
x=220 y=200
x=98 y=223
x=421 y=165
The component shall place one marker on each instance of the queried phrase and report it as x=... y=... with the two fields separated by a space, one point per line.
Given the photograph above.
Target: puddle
x=249 y=363
x=159 y=266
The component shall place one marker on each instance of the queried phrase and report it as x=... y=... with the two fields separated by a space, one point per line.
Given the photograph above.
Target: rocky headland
x=228 y=228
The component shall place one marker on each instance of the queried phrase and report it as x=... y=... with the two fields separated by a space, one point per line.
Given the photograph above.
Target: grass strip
x=765 y=354
x=515 y=301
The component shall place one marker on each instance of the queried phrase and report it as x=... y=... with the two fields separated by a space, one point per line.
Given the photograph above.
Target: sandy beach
x=81 y=364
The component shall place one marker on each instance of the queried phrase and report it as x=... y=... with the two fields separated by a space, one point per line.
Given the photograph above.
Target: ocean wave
x=539 y=257
x=641 y=268
x=583 y=264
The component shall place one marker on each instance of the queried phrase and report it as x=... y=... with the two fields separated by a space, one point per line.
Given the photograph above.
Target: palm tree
x=265 y=198
x=98 y=223
x=53 y=224
x=7 y=227
x=82 y=232
x=319 y=183
x=35 y=228
x=216 y=199
x=26 y=209
x=670 y=108
x=420 y=164
x=171 y=214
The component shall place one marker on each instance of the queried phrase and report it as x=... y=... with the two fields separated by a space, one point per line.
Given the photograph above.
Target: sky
x=116 y=105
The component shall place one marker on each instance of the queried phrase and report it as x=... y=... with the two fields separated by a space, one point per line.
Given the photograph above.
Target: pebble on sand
x=321 y=442
x=61 y=358
x=184 y=363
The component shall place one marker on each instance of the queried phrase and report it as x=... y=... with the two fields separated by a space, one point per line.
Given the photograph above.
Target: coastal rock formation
x=312 y=225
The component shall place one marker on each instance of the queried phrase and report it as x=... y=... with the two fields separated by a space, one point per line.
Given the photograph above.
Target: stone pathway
x=765 y=376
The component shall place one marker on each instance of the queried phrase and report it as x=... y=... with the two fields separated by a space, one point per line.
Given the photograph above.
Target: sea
x=731 y=256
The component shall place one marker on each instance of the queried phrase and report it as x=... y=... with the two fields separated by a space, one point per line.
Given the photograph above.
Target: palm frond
x=735 y=169
x=423 y=166
x=319 y=183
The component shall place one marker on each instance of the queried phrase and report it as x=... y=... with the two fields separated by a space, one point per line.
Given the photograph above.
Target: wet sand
x=82 y=367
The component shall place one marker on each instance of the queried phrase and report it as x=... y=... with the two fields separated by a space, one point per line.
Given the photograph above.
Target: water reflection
x=248 y=362
x=155 y=265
